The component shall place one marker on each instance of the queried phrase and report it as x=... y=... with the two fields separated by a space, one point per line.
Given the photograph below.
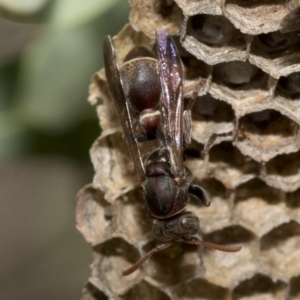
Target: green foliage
x=44 y=82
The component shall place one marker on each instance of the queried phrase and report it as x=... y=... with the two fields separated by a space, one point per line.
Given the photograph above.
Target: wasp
x=149 y=91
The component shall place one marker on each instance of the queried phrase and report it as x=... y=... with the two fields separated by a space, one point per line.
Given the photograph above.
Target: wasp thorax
x=183 y=225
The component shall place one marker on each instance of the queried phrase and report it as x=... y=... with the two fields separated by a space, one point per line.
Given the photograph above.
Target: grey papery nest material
x=253 y=182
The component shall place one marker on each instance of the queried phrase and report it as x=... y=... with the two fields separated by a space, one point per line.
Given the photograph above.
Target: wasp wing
x=171 y=104
x=291 y=22
x=115 y=86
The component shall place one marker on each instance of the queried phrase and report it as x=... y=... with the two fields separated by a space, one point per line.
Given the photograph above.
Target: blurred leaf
x=23 y=6
x=8 y=125
x=12 y=133
x=56 y=71
x=15 y=36
x=55 y=76
x=7 y=84
x=12 y=137
x=71 y=13
x=73 y=143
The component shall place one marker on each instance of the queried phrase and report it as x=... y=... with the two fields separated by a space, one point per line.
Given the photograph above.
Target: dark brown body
x=138 y=89
x=141 y=85
x=164 y=196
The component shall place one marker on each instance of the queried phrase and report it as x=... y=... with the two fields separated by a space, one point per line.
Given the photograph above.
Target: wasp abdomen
x=141 y=83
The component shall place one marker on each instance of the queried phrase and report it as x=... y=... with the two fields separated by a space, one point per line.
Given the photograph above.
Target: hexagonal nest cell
x=214 y=39
x=90 y=292
x=275 y=53
x=211 y=116
x=244 y=74
x=268 y=133
x=280 y=251
x=259 y=287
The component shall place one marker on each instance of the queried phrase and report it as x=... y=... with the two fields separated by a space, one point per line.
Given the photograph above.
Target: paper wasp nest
x=246 y=69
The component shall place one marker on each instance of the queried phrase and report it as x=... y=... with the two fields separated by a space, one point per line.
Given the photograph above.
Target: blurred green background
x=48 y=52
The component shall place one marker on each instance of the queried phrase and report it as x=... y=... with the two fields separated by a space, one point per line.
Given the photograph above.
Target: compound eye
x=190 y=224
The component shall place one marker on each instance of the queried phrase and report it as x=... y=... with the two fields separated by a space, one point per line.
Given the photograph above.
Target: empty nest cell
x=225 y=163
x=275 y=43
x=295 y=288
x=200 y=289
x=293 y=204
x=256 y=188
x=144 y=290
x=240 y=84
x=93 y=215
x=127 y=39
x=114 y=179
x=259 y=287
x=266 y=134
x=213 y=39
x=211 y=116
x=235 y=74
x=230 y=166
x=212 y=30
x=283 y=172
x=149 y=15
x=197 y=75
x=280 y=251
x=110 y=259
x=259 y=207
x=98 y=220
x=218 y=214
x=293 y=199
x=90 y=292
x=289 y=86
x=234 y=234
x=174 y=265
x=287 y=96
x=227 y=269
x=276 y=53
x=207 y=107
x=131 y=220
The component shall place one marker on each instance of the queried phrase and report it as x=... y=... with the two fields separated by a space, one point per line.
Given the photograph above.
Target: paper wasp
x=150 y=90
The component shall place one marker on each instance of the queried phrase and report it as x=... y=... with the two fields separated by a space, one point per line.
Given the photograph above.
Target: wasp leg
x=187 y=116
x=212 y=139
x=224 y=248
x=140 y=262
x=200 y=194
